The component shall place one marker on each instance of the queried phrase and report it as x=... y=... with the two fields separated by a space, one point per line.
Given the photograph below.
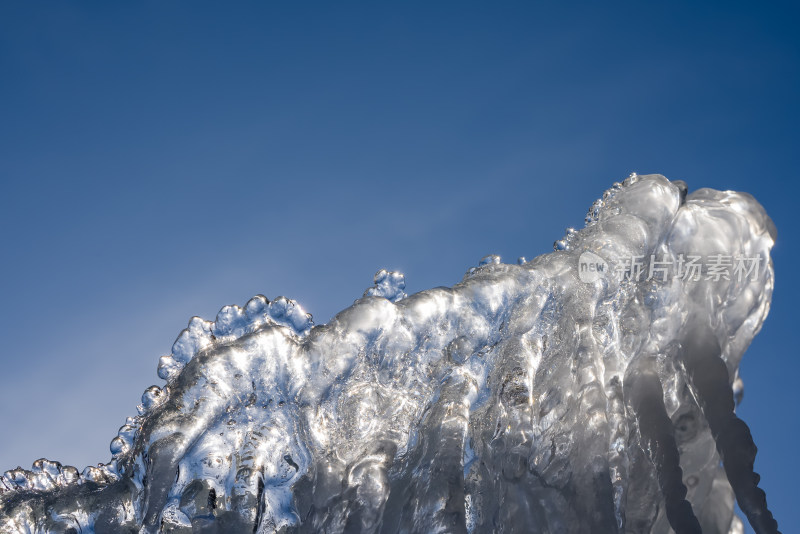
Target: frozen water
x=562 y=394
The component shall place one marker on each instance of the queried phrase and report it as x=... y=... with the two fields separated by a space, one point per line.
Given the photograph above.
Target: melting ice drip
x=525 y=398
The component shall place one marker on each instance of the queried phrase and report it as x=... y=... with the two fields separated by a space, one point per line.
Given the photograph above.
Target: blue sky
x=161 y=159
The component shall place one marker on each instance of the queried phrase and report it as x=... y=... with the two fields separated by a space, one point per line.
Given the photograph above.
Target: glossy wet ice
x=537 y=397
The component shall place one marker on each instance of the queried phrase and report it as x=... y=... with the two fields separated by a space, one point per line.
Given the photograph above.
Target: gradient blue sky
x=161 y=159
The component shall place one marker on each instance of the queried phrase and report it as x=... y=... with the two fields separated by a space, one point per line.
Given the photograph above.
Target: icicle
x=658 y=440
x=711 y=383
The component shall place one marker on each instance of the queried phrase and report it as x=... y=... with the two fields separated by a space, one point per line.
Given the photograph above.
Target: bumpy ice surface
x=528 y=398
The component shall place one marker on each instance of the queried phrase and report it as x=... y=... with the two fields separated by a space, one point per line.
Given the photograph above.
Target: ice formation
x=560 y=395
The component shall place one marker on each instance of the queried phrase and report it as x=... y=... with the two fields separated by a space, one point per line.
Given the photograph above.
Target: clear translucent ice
x=523 y=399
